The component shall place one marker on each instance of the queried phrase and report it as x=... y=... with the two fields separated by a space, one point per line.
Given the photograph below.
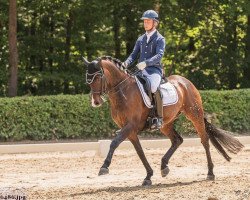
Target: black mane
x=116 y=61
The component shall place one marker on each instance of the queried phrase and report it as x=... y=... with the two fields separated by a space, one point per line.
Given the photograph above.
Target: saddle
x=147 y=88
x=146 y=85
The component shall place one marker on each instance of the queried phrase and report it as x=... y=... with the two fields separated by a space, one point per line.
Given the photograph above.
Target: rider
x=150 y=46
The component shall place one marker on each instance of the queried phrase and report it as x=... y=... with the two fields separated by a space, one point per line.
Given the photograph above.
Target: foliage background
x=207 y=41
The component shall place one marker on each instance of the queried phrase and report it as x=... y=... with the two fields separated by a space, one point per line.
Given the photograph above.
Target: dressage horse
x=107 y=76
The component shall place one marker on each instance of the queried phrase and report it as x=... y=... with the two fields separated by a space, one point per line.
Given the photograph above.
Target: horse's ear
x=85 y=61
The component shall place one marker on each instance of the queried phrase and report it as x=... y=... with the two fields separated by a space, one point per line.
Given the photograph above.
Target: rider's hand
x=125 y=65
x=141 y=65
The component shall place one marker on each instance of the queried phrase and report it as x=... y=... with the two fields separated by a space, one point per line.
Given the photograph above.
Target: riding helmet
x=150 y=14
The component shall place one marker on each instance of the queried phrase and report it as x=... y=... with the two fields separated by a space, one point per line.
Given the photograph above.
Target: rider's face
x=148 y=24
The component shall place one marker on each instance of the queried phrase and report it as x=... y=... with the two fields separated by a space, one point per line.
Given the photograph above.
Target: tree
x=206 y=41
x=13 y=53
x=246 y=69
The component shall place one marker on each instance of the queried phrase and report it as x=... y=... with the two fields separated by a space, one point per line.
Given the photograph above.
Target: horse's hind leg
x=135 y=141
x=176 y=141
x=200 y=127
x=197 y=118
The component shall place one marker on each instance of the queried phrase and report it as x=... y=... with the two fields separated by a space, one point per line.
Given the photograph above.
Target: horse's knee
x=205 y=140
x=118 y=140
x=179 y=140
x=114 y=144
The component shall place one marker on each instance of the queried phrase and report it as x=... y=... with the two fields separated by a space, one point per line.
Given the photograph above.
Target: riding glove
x=141 y=65
x=125 y=65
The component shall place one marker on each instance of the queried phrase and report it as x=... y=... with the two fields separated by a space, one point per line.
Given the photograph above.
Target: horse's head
x=95 y=79
x=105 y=75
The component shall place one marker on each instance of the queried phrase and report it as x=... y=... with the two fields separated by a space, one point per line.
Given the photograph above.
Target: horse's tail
x=220 y=139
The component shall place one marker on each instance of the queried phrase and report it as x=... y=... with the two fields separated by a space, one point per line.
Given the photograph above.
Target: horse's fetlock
x=163 y=163
x=150 y=173
x=106 y=164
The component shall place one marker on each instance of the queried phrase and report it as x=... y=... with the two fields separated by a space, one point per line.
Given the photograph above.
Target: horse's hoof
x=164 y=172
x=146 y=182
x=210 y=177
x=103 y=171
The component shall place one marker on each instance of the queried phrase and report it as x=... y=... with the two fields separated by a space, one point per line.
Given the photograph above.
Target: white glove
x=125 y=65
x=141 y=65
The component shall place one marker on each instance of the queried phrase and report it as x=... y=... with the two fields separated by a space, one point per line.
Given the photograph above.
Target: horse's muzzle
x=96 y=101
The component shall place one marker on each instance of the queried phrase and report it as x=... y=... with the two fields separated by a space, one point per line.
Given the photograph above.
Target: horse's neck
x=114 y=76
x=121 y=95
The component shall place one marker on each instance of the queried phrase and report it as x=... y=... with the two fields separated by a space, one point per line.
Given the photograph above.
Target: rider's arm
x=159 y=53
x=133 y=56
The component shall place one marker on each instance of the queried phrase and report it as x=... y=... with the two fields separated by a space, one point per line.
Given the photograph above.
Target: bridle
x=103 y=89
x=91 y=77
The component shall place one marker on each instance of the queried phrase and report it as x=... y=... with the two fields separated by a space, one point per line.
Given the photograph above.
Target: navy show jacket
x=150 y=52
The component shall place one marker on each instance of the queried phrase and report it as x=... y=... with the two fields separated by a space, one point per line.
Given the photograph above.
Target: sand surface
x=73 y=175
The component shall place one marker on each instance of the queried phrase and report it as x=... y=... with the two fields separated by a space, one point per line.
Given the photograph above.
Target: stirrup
x=156 y=123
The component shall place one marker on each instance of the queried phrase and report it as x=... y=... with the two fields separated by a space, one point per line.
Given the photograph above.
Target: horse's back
x=184 y=87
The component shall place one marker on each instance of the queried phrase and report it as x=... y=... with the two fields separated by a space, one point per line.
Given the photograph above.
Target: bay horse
x=107 y=76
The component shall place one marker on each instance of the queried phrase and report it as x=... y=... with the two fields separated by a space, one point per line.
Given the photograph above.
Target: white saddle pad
x=168 y=91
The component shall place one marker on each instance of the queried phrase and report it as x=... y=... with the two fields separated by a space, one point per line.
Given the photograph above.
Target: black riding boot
x=157 y=122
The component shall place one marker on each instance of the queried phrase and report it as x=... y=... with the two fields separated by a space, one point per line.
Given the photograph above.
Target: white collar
x=150 y=34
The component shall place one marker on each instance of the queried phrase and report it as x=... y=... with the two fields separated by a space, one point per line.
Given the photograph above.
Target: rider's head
x=150 y=19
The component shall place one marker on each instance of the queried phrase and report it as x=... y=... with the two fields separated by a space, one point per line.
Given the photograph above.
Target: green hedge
x=71 y=117
x=52 y=117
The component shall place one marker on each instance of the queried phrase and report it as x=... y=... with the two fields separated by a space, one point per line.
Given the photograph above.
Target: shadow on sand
x=113 y=189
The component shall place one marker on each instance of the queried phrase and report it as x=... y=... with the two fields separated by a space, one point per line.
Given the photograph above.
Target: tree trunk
x=233 y=45
x=116 y=28
x=13 y=54
x=51 y=48
x=191 y=45
x=89 y=48
x=68 y=37
x=246 y=69
x=131 y=30
x=32 y=33
x=229 y=75
x=67 y=50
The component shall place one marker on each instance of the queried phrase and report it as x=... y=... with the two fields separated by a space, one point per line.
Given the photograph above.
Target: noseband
x=91 y=77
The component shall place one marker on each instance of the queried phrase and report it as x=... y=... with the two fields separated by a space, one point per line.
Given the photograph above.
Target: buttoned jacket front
x=150 y=52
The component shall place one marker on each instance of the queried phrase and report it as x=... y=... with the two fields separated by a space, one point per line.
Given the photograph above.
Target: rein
x=103 y=91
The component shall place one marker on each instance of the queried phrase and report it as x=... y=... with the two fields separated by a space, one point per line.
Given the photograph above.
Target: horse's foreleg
x=123 y=134
x=137 y=145
x=176 y=141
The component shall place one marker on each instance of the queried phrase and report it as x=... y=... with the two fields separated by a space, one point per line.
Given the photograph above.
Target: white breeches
x=155 y=80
